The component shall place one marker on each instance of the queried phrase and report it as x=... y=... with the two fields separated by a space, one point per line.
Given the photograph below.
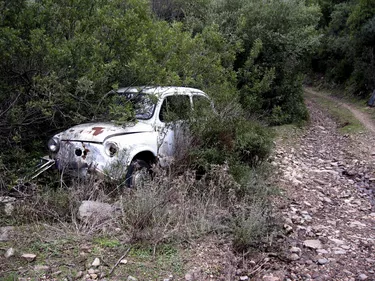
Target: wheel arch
x=145 y=155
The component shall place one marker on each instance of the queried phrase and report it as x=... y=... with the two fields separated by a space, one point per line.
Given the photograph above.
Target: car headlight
x=111 y=148
x=54 y=144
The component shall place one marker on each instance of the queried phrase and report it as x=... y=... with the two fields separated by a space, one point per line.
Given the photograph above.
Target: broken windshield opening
x=143 y=105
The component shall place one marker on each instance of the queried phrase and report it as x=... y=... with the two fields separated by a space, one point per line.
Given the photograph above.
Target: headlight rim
x=107 y=148
x=54 y=144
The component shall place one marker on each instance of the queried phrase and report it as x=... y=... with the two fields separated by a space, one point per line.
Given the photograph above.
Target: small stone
x=320 y=182
x=94 y=276
x=312 y=244
x=96 y=262
x=357 y=224
x=270 y=278
x=189 y=277
x=337 y=241
x=79 y=274
x=8 y=209
x=295 y=250
x=124 y=261
x=29 y=257
x=244 y=278
x=339 y=252
x=91 y=271
x=293 y=257
x=322 y=251
x=9 y=253
x=362 y=277
x=288 y=228
x=193 y=274
x=41 y=267
x=5 y=233
x=131 y=278
x=97 y=210
x=322 y=261
x=307 y=217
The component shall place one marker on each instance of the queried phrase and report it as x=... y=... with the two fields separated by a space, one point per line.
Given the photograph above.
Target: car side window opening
x=175 y=108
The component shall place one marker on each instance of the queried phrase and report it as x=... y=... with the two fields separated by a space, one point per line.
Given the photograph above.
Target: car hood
x=99 y=132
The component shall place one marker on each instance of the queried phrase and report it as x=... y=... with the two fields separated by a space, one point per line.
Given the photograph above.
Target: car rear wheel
x=138 y=173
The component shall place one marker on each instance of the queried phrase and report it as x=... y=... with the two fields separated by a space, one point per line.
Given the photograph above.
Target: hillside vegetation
x=346 y=56
x=60 y=58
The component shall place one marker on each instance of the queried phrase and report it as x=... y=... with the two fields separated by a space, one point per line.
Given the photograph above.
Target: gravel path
x=328 y=181
x=362 y=117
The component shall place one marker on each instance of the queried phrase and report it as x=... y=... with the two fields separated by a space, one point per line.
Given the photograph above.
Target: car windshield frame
x=132 y=98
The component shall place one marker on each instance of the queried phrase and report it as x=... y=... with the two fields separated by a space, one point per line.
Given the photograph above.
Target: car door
x=174 y=110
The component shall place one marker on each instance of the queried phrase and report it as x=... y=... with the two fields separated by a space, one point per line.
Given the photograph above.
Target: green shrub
x=251 y=227
x=253 y=142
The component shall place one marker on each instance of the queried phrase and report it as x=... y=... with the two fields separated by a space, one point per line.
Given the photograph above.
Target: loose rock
x=29 y=257
x=322 y=261
x=96 y=262
x=9 y=253
x=312 y=244
x=96 y=210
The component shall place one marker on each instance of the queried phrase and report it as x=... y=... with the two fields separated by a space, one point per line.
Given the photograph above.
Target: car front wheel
x=138 y=173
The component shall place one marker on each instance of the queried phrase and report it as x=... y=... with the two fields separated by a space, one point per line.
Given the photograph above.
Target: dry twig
x=119 y=260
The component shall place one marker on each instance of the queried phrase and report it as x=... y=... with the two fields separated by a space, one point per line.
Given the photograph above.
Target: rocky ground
x=328 y=181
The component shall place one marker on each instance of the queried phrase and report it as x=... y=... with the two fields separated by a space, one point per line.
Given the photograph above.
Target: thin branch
x=119 y=260
x=10 y=106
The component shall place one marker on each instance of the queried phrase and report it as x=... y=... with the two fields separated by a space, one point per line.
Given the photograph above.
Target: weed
x=108 y=242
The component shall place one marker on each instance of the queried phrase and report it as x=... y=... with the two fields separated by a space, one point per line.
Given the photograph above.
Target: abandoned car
x=128 y=150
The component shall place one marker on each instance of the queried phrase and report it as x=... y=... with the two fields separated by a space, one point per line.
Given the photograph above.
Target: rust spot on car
x=97 y=130
x=85 y=151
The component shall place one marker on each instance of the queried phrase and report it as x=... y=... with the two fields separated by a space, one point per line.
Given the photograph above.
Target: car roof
x=160 y=90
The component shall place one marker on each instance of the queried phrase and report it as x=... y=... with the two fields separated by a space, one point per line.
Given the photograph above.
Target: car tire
x=138 y=172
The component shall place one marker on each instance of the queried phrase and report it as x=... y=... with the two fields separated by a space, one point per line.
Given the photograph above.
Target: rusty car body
x=128 y=149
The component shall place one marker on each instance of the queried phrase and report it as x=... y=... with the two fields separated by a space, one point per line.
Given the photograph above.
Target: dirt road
x=328 y=181
x=362 y=117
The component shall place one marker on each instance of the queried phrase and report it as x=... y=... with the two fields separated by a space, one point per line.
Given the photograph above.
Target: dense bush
x=272 y=50
x=59 y=58
x=346 y=57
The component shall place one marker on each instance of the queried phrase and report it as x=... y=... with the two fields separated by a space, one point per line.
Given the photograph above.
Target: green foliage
x=272 y=50
x=59 y=58
x=250 y=226
x=288 y=38
x=252 y=142
x=228 y=138
x=347 y=52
